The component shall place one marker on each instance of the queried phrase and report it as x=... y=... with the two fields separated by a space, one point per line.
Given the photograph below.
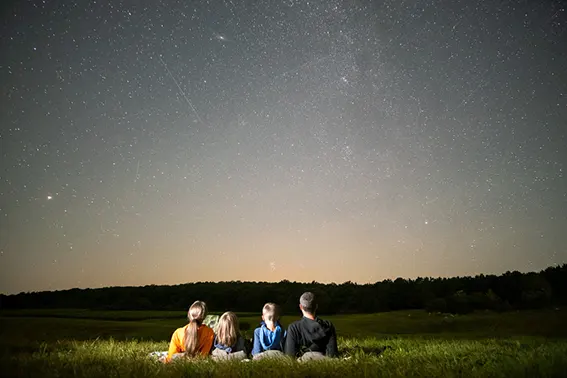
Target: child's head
x=228 y=329
x=197 y=312
x=270 y=313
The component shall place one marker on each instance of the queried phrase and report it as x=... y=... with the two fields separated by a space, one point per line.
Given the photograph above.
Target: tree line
x=511 y=290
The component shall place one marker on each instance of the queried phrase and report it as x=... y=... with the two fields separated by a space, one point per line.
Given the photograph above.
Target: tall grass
x=407 y=357
x=402 y=344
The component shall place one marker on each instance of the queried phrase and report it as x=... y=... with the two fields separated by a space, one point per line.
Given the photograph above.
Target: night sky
x=165 y=142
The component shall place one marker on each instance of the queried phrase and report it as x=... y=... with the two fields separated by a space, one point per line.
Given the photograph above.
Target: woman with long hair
x=194 y=339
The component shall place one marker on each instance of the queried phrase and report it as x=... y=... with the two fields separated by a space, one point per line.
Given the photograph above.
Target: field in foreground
x=58 y=343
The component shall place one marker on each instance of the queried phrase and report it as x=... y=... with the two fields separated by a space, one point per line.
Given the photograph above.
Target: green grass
x=531 y=343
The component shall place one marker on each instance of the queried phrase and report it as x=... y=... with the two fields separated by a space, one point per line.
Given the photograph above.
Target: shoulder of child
x=180 y=331
x=207 y=331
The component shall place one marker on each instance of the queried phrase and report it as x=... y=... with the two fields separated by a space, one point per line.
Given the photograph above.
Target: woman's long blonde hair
x=227 y=333
x=196 y=315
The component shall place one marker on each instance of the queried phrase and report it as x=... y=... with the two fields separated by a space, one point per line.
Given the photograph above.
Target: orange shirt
x=205 y=335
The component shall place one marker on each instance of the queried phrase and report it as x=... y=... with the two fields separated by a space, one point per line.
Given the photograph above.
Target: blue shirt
x=264 y=339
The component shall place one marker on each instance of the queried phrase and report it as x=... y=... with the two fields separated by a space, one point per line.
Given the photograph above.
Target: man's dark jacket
x=308 y=335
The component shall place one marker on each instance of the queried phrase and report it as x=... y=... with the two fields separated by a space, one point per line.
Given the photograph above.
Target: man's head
x=308 y=303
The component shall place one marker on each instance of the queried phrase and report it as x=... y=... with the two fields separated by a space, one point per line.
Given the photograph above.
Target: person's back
x=195 y=339
x=228 y=343
x=269 y=337
x=178 y=343
x=311 y=334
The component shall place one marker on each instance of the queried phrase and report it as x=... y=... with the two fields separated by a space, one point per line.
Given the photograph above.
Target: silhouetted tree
x=512 y=290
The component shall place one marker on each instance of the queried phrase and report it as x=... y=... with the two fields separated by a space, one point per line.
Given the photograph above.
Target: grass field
x=59 y=343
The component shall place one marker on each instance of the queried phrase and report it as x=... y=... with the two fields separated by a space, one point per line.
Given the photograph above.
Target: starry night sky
x=164 y=142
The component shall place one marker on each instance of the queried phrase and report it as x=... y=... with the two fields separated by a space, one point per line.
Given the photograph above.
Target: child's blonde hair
x=228 y=329
x=271 y=312
x=196 y=314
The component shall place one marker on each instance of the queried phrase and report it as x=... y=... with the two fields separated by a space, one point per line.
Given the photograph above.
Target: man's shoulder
x=327 y=323
x=294 y=324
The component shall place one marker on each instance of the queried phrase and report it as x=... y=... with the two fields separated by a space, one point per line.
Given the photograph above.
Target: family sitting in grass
x=310 y=338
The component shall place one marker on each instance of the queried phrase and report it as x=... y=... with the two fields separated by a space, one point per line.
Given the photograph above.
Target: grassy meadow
x=60 y=343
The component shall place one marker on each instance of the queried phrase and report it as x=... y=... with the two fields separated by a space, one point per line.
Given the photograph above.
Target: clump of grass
x=403 y=357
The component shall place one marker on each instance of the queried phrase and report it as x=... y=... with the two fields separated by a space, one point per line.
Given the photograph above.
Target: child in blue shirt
x=269 y=337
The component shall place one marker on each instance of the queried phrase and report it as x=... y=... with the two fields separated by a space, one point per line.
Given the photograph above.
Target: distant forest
x=509 y=291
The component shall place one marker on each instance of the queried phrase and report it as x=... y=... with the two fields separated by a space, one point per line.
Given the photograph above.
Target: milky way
x=163 y=142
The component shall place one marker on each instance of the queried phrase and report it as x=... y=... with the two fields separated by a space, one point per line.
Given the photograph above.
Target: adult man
x=310 y=337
